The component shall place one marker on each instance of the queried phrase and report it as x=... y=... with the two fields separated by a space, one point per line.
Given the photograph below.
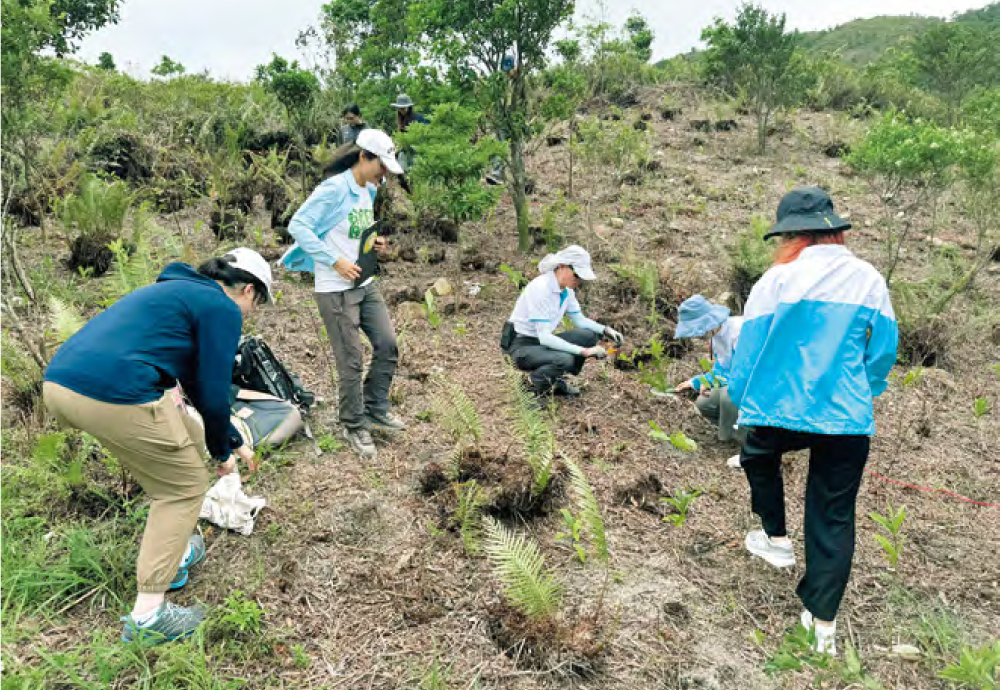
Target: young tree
x=473 y=36
x=295 y=88
x=952 y=60
x=370 y=40
x=754 y=55
x=106 y=62
x=168 y=68
x=640 y=36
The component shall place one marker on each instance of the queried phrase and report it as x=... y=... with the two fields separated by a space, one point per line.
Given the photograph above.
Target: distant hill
x=863 y=41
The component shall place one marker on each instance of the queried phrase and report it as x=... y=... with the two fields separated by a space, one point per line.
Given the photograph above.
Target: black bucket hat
x=807 y=209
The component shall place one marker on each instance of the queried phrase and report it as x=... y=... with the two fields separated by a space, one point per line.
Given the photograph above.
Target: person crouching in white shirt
x=529 y=336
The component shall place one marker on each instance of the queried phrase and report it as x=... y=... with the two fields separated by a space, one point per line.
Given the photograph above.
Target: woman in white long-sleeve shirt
x=529 y=335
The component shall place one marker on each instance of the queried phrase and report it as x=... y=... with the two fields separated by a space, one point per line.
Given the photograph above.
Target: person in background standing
x=353 y=124
x=406 y=116
x=818 y=341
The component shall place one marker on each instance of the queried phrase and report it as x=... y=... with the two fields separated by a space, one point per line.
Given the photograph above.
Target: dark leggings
x=545 y=364
x=836 y=465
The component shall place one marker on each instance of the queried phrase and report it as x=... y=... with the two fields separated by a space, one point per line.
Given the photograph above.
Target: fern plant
x=65 y=319
x=532 y=428
x=588 y=510
x=98 y=209
x=456 y=412
x=468 y=515
x=518 y=563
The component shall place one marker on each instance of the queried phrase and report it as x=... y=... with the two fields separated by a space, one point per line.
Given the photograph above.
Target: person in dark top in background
x=406 y=116
x=353 y=124
x=113 y=379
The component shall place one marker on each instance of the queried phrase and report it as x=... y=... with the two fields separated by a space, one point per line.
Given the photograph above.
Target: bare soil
x=349 y=560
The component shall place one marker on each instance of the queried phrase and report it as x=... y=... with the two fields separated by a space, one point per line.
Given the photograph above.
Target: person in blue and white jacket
x=818 y=342
x=328 y=229
x=699 y=318
x=529 y=336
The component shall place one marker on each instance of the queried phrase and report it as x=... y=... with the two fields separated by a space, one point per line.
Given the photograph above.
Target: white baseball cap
x=378 y=142
x=574 y=256
x=248 y=260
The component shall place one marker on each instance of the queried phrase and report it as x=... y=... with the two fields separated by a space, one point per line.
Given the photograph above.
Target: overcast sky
x=230 y=37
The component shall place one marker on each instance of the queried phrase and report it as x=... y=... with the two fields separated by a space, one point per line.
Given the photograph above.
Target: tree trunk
x=572 y=143
x=517 y=118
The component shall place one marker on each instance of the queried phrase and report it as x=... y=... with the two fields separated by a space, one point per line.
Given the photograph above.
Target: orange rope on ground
x=943 y=491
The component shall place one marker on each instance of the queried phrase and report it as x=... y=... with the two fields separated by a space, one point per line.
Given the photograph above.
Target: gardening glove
x=614 y=335
x=597 y=352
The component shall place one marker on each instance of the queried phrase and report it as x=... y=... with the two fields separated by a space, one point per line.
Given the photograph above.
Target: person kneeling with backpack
x=111 y=380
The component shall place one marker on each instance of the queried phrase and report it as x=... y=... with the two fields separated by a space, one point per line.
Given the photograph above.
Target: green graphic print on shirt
x=360 y=219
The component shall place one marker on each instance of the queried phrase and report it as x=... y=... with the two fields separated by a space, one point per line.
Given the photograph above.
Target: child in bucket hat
x=700 y=318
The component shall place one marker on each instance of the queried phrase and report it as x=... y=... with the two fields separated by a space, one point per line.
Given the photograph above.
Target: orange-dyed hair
x=788 y=250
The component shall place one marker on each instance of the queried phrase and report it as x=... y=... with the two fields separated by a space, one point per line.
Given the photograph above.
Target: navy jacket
x=182 y=328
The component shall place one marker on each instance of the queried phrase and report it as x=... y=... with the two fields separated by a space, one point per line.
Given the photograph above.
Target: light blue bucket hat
x=697 y=316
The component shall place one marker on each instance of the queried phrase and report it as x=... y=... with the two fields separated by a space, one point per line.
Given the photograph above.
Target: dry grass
x=349 y=560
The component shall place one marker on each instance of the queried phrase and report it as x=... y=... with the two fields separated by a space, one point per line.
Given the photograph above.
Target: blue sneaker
x=171 y=622
x=196 y=556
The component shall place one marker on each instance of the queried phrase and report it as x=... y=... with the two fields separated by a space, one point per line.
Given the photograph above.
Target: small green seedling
x=976 y=668
x=681 y=501
x=516 y=278
x=913 y=377
x=678 y=439
x=981 y=407
x=892 y=523
x=573 y=533
x=430 y=309
x=328 y=443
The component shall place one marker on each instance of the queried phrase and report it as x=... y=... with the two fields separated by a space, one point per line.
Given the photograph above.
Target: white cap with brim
x=378 y=142
x=574 y=256
x=248 y=260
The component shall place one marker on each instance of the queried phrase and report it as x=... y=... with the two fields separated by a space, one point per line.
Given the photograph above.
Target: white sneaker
x=778 y=555
x=734 y=462
x=826 y=635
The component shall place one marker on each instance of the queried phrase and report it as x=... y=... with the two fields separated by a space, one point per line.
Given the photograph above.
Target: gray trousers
x=345 y=314
x=718 y=408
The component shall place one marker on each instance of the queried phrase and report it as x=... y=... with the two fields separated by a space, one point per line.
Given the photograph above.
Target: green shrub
x=750 y=258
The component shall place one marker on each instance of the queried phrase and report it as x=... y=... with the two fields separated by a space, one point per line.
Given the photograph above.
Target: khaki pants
x=718 y=408
x=163 y=449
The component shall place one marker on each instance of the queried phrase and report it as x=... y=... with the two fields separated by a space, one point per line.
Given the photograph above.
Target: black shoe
x=561 y=387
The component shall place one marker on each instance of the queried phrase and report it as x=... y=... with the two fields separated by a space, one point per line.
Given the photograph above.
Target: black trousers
x=545 y=364
x=836 y=465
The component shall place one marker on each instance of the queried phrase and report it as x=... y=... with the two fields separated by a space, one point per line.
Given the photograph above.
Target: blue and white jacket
x=818 y=341
x=325 y=209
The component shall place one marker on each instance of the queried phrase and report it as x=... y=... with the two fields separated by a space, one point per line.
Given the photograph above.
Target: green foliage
x=981 y=111
x=106 y=62
x=892 y=524
x=448 y=171
x=516 y=278
x=520 y=567
x=644 y=275
x=434 y=317
x=615 y=144
x=678 y=439
x=590 y=521
x=572 y=533
x=977 y=668
x=754 y=56
x=953 y=59
x=98 y=209
x=863 y=41
x=132 y=269
x=750 y=257
x=168 y=68
x=238 y=616
x=65 y=319
x=980 y=407
x=655 y=372
x=681 y=502
x=468 y=514
x=437 y=676
x=294 y=87
x=532 y=428
x=455 y=412
x=913 y=377
x=328 y=443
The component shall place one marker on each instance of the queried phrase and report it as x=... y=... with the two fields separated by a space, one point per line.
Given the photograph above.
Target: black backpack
x=258 y=369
